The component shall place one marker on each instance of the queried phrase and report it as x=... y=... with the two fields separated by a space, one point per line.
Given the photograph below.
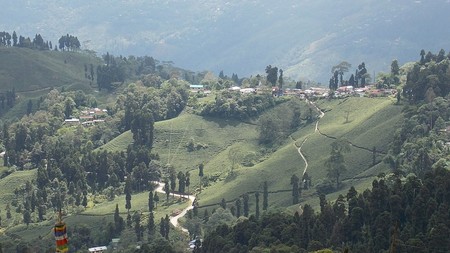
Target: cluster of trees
x=273 y=78
x=358 y=79
x=229 y=104
x=419 y=144
x=387 y=80
x=68 y=169
x=69 y=42
x=278 y=123
x=401 y=214
x=20 y=41
x=428 y=78
x=139 y=104
x=7 y=99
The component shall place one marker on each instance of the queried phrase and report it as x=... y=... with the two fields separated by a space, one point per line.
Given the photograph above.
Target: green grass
x=371 y=123
x=32 y=73
x=120 y=143
x=32 y=70
x=9 y=183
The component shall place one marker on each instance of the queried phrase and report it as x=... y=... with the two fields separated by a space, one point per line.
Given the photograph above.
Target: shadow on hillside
x=223 y=122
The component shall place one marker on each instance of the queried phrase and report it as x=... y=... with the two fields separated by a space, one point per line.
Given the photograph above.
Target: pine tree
x=137 y=225
x=265 y=196
x=200 y=174
x=167 y=227
x=118 y=220
x=151 y=204
x=162 y=227
x=151 y=225
x=238 y=207
x=156 y=199
x=245 y=198
x=223 y=204
x=295 y=191
x=257 y=205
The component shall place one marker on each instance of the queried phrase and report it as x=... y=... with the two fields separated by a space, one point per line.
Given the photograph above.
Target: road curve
x=174 y=219
x=316 y=129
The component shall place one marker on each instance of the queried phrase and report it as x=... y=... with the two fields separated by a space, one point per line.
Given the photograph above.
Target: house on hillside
x=72 y=121
x=98 y=249
x=196 y=88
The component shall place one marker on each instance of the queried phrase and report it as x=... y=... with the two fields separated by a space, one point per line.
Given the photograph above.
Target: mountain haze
x=305 y=38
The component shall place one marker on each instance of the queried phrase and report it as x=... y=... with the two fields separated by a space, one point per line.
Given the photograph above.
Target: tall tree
x=187 y=181
x=200 y=174
x=335 y=163
x=151 y=225
x=272 y=74
x=395 y=69
x=245 y=198
x=167 y=189
x=14 y=37
x=167 y=225
x=223 y=204
x=156 y=199
x=295 y=189
x=127 y=191
x=257 y=204
x=173 y=182
x=118 y=220
x=265 y=196
x=151 y=203
x=238 y=207
x=280 y=79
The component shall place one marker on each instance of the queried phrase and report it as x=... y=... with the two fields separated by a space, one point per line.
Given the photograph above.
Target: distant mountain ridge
x=305 y=38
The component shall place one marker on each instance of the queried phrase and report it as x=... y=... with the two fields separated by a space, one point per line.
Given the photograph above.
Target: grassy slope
x=31 y=70
x=171 y=137
x=371 y=124
x=373 y=127
x=33 y=73
x=9 y=183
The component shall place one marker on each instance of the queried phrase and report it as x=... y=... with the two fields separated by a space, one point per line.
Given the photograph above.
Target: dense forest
x=401 y=214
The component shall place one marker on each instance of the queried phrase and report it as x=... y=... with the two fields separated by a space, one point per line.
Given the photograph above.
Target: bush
x=325 y=186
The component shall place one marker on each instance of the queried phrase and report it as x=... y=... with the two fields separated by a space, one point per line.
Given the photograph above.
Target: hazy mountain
x=304 y=37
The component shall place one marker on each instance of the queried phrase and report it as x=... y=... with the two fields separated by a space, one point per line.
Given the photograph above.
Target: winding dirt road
x=174 y=219
x=316 y=129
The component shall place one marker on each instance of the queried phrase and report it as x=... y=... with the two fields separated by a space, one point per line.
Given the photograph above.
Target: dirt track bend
x=316 y=129
x=174 y=219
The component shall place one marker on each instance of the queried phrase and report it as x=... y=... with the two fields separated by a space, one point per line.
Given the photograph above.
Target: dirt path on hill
x=174 y=219
x=316 y=129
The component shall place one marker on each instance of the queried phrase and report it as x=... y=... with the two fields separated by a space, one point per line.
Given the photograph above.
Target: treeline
x=66 y=42
x=68 y=168
x=358 y=79
x=428 y=78
x=7 y=100
x=419 y=145
x=230 y=104
x=398 y=214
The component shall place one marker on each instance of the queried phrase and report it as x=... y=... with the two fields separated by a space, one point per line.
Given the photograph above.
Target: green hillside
x=380 y=114
x=30 y=71
x=371 y=123
x=33 y=73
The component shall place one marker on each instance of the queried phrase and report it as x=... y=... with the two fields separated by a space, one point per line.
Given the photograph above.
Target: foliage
x=411 y=208
x=229 y=104
x=430 y=75
x=280 y=122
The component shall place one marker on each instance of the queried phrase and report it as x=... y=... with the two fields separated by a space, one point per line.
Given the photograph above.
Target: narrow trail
x=316 y=129
x=174 y=219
